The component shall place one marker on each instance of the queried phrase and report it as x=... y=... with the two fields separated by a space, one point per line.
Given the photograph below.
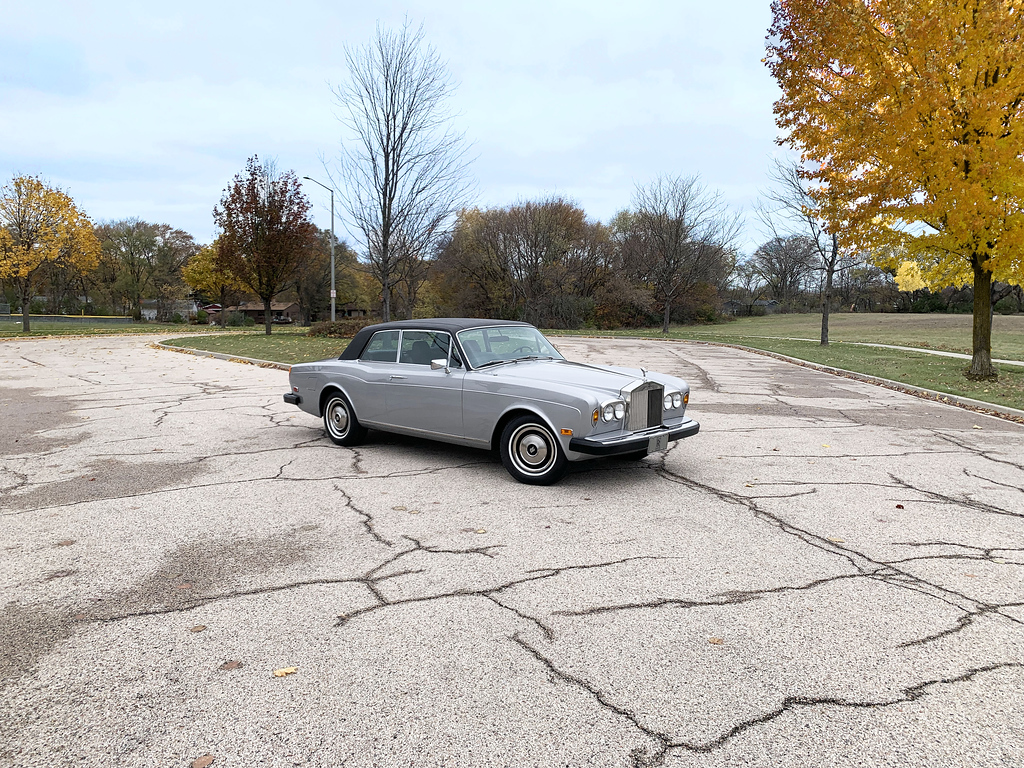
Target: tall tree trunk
x=385 y=309
x=223 y=319
x=981 y=362
x=267 y=318
x=26 y=301
x=667 y=315
x=826 y=299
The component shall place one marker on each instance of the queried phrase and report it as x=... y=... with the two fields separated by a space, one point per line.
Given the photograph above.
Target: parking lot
x=829 y=574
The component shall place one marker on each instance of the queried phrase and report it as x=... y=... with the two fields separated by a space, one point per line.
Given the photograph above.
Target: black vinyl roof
x=450 y=324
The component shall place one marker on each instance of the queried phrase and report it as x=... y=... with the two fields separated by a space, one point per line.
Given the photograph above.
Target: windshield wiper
x=514 y=360
x=492 y=362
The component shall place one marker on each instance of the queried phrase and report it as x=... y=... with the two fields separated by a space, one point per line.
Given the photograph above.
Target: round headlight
x=677 y=400
x=608 y=413
x=620 y=411
x=668 y=402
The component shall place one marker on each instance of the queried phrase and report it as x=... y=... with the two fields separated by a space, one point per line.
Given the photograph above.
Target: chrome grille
x=645 y=407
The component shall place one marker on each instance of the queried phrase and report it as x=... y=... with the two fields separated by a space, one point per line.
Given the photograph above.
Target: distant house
x=353 y=310
x=771 y=306
x=733 y=307
x=280 y=311
x=152 y=309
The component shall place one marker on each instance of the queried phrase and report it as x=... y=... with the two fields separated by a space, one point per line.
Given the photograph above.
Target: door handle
x=396 y=377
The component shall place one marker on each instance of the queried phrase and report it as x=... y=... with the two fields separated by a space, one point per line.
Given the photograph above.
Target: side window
x=383 y=347
x=474 y=345
x=420 y=347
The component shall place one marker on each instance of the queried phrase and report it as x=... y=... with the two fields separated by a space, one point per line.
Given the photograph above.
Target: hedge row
x=340 y=329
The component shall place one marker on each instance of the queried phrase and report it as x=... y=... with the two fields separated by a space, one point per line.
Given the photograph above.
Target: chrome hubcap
x=531 y=450
x=337 y=417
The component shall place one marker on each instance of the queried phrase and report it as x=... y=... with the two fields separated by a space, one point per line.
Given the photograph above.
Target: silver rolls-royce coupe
x=491 y=384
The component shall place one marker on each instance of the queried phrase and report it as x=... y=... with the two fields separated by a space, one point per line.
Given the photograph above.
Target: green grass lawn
x=774 y=334
x=282 y=346
x=950 y=333
x=944 y=374
x=10 y=329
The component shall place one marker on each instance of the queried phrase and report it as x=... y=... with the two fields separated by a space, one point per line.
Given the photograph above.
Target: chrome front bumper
x=632 y=443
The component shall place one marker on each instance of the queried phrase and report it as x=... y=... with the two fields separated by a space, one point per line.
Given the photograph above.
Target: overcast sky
x=149 y=109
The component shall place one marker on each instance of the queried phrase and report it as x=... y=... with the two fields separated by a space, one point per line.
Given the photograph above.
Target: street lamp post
x=334 y=293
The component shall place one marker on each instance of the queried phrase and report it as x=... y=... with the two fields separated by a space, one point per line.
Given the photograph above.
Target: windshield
x=504 y=344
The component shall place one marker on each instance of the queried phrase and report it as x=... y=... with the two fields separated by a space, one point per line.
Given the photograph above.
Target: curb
x=222 y=356
x=967 y=403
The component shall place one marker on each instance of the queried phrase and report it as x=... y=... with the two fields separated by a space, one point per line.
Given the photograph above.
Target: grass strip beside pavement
x=918 y=369
x=11 y=330
x=288 y=347
x=948 y=333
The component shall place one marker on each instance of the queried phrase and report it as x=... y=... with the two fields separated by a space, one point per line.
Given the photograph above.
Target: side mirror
x=437 y=365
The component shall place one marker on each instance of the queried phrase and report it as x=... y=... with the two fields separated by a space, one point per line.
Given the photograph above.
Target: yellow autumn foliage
x=911 y=115
x=41 y=224
x=203 y=273
x=908 y=277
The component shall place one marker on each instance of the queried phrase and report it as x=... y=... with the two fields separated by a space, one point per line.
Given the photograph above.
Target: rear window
x=383 y=347
x=420 y=347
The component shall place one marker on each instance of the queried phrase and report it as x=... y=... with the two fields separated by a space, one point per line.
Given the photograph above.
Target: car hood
x=595 y=377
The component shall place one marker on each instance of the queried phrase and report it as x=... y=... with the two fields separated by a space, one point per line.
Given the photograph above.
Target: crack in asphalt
x=935 y=496
x=376 y=579
x=731 y=597
x=885 y=571
x=666 y=743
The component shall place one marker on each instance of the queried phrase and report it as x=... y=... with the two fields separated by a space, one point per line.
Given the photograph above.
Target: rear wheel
x=340 y=421
x=531 y=453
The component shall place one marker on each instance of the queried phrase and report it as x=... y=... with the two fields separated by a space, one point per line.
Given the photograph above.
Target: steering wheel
x=524 y=348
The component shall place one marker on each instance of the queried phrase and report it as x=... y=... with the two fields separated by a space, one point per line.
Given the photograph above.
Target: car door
x=422 y=399
x=376 y=363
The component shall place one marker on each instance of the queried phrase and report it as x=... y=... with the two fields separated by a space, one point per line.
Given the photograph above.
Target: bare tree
x=783 y=263
x=404 y=172
x=787 y=208
x=684 y=235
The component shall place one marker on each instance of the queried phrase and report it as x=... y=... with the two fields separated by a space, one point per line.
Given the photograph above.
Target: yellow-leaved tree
x=205 y=273
x=910 y=116
x=39 y=226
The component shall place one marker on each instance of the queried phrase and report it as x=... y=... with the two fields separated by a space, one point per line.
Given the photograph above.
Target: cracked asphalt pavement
x=829 y=574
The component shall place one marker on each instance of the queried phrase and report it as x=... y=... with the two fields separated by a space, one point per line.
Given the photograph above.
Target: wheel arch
x=515 y=413
x=326 y=392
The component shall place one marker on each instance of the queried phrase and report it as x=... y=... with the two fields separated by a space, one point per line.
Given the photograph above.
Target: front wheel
x=531 y=453
x=340 y=421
